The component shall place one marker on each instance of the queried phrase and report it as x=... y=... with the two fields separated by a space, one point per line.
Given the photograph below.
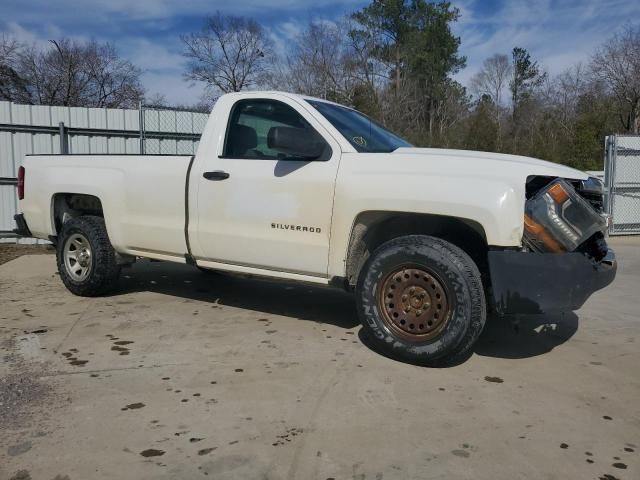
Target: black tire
x=460 y=279
x=103 y=270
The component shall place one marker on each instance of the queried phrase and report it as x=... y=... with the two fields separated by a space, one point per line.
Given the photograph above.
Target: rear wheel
x=420 y=299
x=86 y=260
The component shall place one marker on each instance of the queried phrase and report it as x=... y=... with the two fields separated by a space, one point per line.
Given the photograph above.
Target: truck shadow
x=511 y=338
x=525 y=336
x=305 y=302
x=508 y=337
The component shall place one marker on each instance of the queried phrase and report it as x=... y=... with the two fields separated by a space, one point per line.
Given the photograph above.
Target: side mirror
x=296 y=142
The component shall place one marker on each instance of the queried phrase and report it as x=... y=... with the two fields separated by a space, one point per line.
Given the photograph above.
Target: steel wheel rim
x=77 y=257
x=414 y=303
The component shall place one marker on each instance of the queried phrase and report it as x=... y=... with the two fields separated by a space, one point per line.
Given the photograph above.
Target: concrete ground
x=185 y=375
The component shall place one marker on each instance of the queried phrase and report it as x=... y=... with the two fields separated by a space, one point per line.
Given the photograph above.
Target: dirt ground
x=11 y=251
x=181 y=374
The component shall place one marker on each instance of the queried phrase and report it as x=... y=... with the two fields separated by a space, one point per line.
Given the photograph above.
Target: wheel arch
x=373 y=228
x=67 y=205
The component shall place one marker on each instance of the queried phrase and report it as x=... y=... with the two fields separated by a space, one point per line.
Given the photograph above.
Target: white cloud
x=158 y=9
x=30 y=37
x=558 y=34
x=172 y=86
x=146 y=32
x=283 y=34
x=162 y=65
x=153 y=55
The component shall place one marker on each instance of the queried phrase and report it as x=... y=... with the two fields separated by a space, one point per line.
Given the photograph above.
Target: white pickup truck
x=306 y=190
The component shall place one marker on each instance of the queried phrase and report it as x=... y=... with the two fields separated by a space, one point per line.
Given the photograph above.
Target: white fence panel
x=5 y=112
x=40 y=115
x=20 y=114
x=7 y=169
x=26 y=129
x=60 y=114
x=97 y=118
x=115 y=119
x=79 y=143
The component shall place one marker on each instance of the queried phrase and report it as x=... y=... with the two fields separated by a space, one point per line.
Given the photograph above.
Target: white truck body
x=301 y=189
x=230 y=222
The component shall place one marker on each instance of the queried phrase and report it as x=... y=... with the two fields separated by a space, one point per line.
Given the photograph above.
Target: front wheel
x=86 y=260
x=420 y=299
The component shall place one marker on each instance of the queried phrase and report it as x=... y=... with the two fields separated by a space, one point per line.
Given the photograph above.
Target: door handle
x=216 y=175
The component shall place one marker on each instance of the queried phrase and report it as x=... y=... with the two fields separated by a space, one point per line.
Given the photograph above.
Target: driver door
x=267 y=201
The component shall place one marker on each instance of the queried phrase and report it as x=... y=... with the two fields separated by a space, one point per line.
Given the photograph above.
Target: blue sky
x=558 y=33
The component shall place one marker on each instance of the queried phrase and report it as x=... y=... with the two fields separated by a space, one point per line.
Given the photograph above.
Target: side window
x=272 y=130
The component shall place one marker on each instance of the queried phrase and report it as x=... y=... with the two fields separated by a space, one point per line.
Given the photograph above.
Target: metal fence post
x=64 y=140
x=612 y=182
x=141 y=125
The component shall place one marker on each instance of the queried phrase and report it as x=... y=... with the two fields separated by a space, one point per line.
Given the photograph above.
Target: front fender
x=497 y=206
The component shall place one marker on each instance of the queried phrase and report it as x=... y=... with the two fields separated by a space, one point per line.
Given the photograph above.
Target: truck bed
x=143 y=197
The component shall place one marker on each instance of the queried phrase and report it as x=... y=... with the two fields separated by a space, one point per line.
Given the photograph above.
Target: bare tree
x=229 y=54
x=73 y=73
x=320 y=64
x=8 y=49
x=492 y=82
x=493 y=79
x=12 y=85
x=617 y=64
x=114 y=82
x=451 y=110
x=562 y=94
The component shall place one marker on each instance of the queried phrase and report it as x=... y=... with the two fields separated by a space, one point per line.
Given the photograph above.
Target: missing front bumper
x=531 y=283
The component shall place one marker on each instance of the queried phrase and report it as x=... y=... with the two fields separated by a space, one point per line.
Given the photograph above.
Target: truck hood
x=486 y=188
x=492 y=162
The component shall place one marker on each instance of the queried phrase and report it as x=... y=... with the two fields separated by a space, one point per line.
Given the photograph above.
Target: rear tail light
x=21 y=183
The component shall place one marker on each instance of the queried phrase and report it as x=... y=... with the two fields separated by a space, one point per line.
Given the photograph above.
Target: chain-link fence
x=622 y=178
x=170 y=131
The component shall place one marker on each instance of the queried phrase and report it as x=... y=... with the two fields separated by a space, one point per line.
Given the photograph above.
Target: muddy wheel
x=420 y=299
x=86 y=260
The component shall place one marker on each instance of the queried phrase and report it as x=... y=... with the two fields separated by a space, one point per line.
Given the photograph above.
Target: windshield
x=363 y=133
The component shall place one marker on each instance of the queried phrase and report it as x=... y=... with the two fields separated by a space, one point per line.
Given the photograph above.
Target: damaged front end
x=565 y=257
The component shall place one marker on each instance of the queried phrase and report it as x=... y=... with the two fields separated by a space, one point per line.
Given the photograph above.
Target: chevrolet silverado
x=306 y=190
